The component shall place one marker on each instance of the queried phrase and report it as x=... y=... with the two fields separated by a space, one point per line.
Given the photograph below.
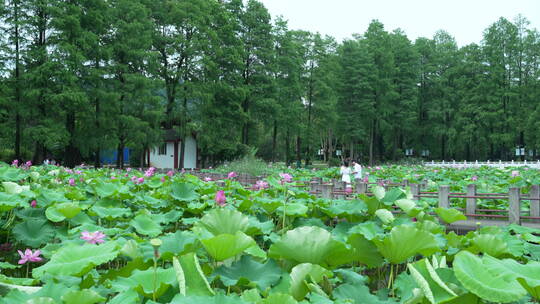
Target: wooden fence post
x=327 y=190
x=534 y=194
x=471 y=202
x=514 y=208
x=339 y=185
x=415 y=190
x=314 y=187
x=361 y=187
x=405 y=183
x=444 y=200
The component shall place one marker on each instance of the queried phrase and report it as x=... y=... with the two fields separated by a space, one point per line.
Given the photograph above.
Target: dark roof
x=170 y=135
x=173 y=135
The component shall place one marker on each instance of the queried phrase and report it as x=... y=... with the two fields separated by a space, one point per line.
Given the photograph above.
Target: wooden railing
x=336 y=189
x=476 y=164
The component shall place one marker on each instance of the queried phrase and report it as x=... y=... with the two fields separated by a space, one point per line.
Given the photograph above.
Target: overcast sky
x=464 y=19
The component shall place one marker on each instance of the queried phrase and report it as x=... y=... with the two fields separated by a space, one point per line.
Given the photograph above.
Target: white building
x=168 y=154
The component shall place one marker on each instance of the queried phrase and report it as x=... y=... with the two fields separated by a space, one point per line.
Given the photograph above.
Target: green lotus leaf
x=106 y=189
x=278 y=298
x=368 y=229
x=305 y=273
x=385 y=216
x=218 y=221
x=10 y=201
x=365 y=251
x=435 y=290
x=41 y=300
x=111 y=213
x=293 y=209
x=33 y=233
x=528 y=275
x=129 y=296
x=357 y=294
x=311 y=244
x=142 y=281
x=144 y=225
x=490 y=244
x=247 y=272
x=450 y=215
x=251 y=296
x=379 y=192
x=68 y=210
x=11 y=174
x=347 y=207
x=76 y=260
x=177 y=243
x=225 y=246
x=54 y=215
x=404 y=242
x=471 y=271
x=393 y=195
x=86 y=296
x=194 y=279
x=408 y=206
x=14 y=188
x=269 y=205
x=217 y=299
x=184 y=192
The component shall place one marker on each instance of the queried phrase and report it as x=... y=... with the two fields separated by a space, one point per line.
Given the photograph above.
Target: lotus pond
x=109 y=236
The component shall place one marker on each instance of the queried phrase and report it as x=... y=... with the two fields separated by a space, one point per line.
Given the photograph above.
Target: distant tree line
x=78 y=77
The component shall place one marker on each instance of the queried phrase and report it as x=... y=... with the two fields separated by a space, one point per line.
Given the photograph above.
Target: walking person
x=357 y=170
x=346 y=175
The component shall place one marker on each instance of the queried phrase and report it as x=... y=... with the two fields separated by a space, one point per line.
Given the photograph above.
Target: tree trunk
x=274 y=141
x=17 y=83
x=371 y=142
x=287 y=148
x=120 y=156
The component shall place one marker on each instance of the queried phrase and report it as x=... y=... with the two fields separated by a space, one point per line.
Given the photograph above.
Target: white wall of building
x=190 y=153
x=165 y=161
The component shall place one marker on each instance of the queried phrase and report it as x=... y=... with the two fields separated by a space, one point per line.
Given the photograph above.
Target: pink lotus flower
x=128 y=169
x=15 y=162
x=68 y=171
x=260 y=185
x=285 y=178
x=113 y=177
x=474 y=178
x=33 y=204
x=366 y=179
x=149 y=172
x=232 y=175
x=71 y=182
x=515 y=173
x=220 y=198
x=78 y=172
x=170 y=173
x=126 y=175
x=134 y=179
x=95 y=237
x=207 y=179
x=81 y=179
x=29 y=256
x=140 y=180
x=162 y=179
x=28 y=164
x=348 y=189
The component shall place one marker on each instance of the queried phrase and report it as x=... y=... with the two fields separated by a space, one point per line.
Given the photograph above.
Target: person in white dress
x=345 y=173
x=357 y=170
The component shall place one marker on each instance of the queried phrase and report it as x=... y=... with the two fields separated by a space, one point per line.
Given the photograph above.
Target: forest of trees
x=78 y=77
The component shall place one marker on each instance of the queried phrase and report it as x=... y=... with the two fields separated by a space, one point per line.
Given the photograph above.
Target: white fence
x=476 y=164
